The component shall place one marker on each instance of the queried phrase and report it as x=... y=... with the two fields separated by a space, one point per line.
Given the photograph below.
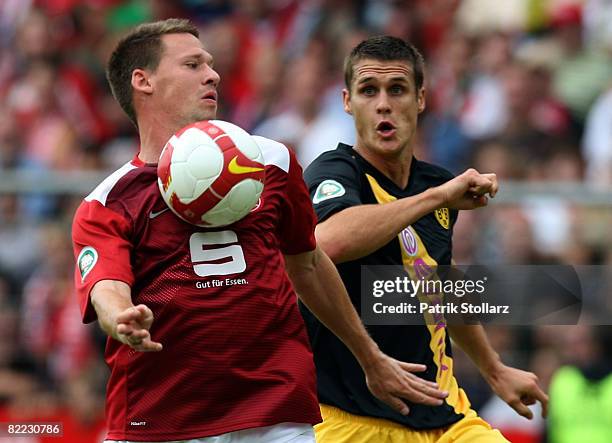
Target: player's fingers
x=521 y=409
x=420 y=391
x=397 y=404
x=478 y=179
x=134 y=341
x=477 y=201
x=125 y=329
x=130 y=335
x=431 y=384
x=140 y=334
x=131 y=328
x=141 y=341
x=480 y=184
x=415 y=367
x=412 y=367
x=545 y=408
x=422 y=397
x=145 y=312
x=482 y=200
x=415 y=380
x=433 y=393
x=528 y=400
x=471 y=172
x=129 y=315
x=495 y=184
x=539 y=395
x=137 y=336
x=149 y=346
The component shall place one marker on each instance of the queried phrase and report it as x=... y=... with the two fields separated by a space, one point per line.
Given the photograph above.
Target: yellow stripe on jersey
x=381 y=195
x=419 y=264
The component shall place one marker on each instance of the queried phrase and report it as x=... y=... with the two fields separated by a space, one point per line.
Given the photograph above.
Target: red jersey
x=236 y=354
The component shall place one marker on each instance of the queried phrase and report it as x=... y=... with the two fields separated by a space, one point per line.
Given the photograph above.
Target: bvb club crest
x=443 y=217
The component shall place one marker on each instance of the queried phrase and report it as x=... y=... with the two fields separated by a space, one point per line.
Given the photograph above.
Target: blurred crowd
x=522 y=88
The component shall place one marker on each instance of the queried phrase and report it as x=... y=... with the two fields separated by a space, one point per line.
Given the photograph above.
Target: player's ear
x=141 y=81
x=346 y=101
x=421 y=99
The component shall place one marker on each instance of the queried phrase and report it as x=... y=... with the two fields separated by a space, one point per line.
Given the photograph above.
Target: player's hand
x=133 y=326
x=391 y=380
x=469 y=190
x=519 y=389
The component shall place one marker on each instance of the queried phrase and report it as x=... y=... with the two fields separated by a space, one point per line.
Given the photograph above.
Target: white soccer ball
x=211 y=173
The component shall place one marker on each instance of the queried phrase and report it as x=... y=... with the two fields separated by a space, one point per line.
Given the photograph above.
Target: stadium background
x=520 y=87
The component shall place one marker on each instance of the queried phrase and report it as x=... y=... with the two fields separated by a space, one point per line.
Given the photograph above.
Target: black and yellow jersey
x=340 y=179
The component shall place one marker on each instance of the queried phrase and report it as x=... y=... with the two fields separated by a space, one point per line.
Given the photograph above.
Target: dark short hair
x=385 y=48
x=140 y=49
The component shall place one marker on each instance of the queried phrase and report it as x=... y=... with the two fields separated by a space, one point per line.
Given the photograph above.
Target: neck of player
x=395 y=166
x=154 y=134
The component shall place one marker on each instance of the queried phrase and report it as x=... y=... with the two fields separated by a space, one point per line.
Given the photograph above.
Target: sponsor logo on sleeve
x=86 y=261
x=443 y=217
x=328 y=189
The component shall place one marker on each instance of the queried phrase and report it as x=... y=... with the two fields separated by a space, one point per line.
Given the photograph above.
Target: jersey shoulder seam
x=101 y=192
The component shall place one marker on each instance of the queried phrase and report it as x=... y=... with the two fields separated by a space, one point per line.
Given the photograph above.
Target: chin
x=201 y=117
x=389 y=147
x=210 y=113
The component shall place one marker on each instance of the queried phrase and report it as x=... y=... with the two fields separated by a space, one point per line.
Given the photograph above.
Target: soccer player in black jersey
x=378 y=205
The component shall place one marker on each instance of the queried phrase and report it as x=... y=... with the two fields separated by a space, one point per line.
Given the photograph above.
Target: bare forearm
x=320 y=288
x=374 y=225
x=474 y=342
x=110 y=298
x=318 y=284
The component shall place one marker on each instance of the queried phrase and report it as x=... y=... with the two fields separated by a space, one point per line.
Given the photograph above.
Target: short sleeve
x=334 y=184
x=102 y=251
x=298 y=220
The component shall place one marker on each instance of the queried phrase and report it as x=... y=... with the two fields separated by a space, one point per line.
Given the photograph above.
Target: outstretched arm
x=516 y=387
x=120 y=319
x=376 y=225
x=319 y=286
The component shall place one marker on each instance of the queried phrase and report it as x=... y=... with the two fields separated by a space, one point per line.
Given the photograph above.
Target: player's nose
x=211 y=77
x=383 y=105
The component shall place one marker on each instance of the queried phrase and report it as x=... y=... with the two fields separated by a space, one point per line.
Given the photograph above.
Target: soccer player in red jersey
x=197 y=347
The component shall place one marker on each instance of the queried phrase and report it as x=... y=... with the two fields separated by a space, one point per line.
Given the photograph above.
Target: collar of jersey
x=379 y=176
x=140 y=164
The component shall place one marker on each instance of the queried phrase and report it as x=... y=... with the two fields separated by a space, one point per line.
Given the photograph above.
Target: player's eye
x=191 y=65
x=368 y=90
x=397 y=89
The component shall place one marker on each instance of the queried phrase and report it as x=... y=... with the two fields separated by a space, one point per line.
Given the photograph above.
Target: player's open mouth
x=385 y=129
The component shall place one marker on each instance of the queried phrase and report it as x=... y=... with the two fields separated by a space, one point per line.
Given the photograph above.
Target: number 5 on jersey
x=206 y=253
